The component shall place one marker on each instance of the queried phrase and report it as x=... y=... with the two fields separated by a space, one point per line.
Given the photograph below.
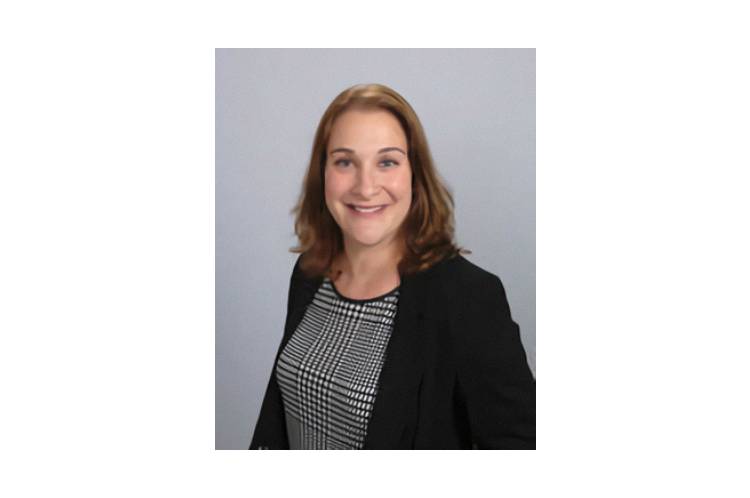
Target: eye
x=338 y=163
x=393 y=163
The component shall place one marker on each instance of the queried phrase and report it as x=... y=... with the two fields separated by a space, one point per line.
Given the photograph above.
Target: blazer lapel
x=402 y=369
x=302 y=292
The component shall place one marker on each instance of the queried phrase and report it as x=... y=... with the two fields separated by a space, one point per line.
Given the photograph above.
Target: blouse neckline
x=350 y=300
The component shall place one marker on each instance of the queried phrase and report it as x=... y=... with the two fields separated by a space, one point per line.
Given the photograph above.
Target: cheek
x=332 y=186
x=402 y=185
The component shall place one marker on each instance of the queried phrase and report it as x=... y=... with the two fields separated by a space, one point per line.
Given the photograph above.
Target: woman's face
x=367 y=166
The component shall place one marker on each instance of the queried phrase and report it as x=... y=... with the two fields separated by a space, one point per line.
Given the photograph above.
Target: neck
x=367 y=264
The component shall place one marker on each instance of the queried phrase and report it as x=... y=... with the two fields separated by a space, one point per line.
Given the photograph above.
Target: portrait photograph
x=375 y=249
x=235 y=227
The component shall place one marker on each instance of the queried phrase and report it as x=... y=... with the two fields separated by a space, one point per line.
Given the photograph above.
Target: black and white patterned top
x=329 y=369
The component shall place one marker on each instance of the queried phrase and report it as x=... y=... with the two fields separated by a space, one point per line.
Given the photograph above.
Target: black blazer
x=455 y=374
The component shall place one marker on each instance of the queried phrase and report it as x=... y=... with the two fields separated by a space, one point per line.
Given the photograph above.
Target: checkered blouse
x=329 y=369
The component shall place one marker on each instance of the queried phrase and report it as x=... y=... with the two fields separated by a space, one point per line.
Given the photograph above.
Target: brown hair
x=428 y=230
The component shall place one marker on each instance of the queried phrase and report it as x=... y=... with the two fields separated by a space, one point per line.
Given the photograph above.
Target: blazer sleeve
x=494 y=378
x=270 y=429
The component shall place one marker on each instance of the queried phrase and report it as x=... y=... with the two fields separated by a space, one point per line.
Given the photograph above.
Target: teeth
x=371 y=210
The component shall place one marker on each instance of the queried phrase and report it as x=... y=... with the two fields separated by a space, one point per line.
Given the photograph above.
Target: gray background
x=478 y=110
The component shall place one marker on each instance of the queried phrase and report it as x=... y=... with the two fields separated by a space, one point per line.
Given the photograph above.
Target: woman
x=393 y=339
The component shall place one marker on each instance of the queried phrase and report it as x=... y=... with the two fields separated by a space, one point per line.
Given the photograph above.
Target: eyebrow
x=384 y=149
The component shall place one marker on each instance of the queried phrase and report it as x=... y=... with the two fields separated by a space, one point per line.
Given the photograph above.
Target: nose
x=366 y=182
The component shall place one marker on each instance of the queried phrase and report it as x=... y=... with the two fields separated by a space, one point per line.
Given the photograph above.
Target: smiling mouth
x=367 y=210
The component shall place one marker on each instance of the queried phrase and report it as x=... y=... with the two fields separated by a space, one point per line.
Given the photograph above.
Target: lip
x=367 y=215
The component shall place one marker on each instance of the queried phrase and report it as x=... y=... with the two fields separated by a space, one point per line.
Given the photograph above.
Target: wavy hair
x=429 y=227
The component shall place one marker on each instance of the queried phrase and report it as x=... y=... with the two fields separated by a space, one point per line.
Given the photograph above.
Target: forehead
x=366 y=128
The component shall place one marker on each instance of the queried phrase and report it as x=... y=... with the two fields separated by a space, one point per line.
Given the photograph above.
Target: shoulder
x=298 y=275
x=456 y=287
x=301 y=288
x=464 y=276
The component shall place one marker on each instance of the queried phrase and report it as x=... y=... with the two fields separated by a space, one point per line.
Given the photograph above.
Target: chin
x=367 y=241
x=366 y=238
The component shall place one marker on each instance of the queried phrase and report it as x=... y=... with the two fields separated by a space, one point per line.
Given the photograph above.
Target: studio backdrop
x=477 y=107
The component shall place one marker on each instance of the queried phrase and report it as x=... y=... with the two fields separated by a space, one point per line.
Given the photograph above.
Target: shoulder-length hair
x=428 y=230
